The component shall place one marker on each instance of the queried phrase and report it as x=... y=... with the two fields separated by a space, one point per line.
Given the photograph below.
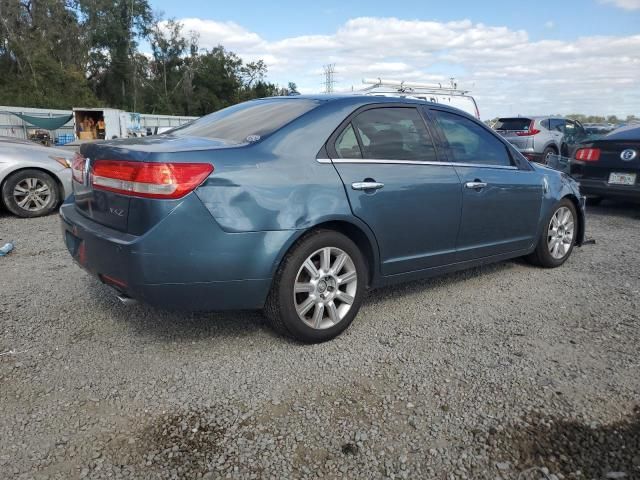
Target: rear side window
x=247 y=122
x=347 y=144
x=513 y=124
x=392 y=134
x=470 y=142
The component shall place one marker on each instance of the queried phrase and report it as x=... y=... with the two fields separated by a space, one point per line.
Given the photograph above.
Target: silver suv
x=539 y=137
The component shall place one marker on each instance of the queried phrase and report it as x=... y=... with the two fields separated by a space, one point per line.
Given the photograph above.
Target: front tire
x=319 y=287
x=558 y=237
x=30 y=193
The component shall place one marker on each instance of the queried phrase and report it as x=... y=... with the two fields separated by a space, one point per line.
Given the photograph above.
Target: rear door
x=500 y=201
x=395 y=183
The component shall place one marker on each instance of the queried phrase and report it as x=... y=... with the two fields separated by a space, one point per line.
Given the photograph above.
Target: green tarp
x=46 y=123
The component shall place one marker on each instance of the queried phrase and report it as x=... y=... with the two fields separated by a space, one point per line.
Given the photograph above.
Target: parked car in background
x=609 y=167
x=298 y=205
x=596 y=129
x=34 y=179
x=537 y=137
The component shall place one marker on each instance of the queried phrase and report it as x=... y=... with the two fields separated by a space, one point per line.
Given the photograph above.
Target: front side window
x=470 y=142
x=247 y=122
x=387 y=133
x=557 y=124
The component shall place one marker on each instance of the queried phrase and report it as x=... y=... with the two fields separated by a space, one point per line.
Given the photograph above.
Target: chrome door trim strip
x=415 y=162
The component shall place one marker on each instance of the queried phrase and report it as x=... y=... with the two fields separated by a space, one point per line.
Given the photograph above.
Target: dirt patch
x=182 y=442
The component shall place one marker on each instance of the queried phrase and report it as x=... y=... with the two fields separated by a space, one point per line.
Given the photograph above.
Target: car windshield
x=247 y=122
x=512 y=124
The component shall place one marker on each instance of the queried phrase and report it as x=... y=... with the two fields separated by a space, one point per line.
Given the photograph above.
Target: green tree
x=113 y=29
x=40 y=62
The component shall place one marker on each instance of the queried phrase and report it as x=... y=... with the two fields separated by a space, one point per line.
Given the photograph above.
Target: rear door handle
x=475 y=185
x=367 y=185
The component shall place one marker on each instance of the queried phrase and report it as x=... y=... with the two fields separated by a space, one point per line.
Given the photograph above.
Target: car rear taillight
x=149 y=180
x=531 y=131
x=588 y=154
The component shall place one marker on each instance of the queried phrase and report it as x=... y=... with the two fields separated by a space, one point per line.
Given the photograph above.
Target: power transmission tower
x=329 y=71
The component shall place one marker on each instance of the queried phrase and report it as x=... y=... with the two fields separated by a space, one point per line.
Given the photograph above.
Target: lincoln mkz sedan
x=299 y=205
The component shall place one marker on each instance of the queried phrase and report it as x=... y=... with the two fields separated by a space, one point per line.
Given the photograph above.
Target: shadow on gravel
x=445 y=280
x=567 y=446
x=171 y=326
x=619 y=209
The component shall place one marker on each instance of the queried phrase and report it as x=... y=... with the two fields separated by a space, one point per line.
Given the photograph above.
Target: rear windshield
x=247 y=122
x=512 y=124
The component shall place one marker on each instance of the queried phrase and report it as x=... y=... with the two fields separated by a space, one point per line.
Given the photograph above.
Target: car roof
x=534 y=117
x=358 y=100
x=352 y=98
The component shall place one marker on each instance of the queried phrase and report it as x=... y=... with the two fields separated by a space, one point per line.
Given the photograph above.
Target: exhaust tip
x=126 y=300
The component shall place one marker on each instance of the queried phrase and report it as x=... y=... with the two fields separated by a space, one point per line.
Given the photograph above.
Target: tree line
x=66 y=53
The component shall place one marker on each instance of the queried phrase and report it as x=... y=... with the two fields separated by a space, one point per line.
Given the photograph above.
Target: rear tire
x=558 y=236
x=318 y=288
x=30 y=193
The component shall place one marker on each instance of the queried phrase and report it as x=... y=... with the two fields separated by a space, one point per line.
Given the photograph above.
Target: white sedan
x=34 y=179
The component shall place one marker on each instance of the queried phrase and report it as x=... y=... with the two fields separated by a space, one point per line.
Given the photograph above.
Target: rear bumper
x=184 y=262
x=601 y=188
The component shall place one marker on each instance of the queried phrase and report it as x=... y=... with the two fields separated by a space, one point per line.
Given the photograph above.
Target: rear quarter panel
x=277 y=184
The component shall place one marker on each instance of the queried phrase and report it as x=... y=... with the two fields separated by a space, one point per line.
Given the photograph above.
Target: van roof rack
x=380 y=86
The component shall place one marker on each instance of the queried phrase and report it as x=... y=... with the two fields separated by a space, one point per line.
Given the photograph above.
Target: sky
x=542 y=57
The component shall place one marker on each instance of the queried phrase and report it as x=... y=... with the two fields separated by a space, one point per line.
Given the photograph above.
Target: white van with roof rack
x=448 y=95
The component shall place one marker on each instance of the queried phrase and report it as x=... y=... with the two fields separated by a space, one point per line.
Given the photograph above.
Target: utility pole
x=329 y=71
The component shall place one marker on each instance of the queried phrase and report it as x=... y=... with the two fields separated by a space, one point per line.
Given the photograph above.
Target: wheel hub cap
x=32 y=194
x=560 y=234
x=325 y=288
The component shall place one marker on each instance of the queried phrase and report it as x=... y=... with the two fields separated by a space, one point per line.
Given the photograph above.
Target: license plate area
x=622 y=178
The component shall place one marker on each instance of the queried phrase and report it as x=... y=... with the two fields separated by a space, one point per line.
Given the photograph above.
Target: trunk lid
x=124 y=212
x=610 y=160
x=516 y=131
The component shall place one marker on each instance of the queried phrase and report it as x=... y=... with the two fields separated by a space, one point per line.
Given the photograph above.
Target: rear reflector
x=149 y=180
x=588 y=154
x=113 y=281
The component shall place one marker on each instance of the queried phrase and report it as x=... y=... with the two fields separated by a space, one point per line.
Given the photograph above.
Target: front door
x=500 y=202
x=387 y=160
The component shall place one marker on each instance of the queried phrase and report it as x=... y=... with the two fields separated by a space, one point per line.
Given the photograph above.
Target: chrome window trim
x=415 y=162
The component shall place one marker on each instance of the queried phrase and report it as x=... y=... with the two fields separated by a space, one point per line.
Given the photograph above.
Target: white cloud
x=626 y=4
x=550 y=24
x=506 y=71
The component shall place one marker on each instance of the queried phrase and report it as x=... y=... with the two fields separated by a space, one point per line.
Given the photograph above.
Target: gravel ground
x=506 y=371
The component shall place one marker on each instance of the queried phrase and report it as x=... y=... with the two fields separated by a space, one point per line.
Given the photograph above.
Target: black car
x=609 y=167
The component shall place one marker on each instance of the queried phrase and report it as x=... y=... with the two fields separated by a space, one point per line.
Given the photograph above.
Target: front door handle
x=367 y=185
x=475 y=185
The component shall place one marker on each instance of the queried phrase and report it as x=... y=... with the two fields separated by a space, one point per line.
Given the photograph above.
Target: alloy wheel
x=560 y=233
x=32 y=194
x=325 y=288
